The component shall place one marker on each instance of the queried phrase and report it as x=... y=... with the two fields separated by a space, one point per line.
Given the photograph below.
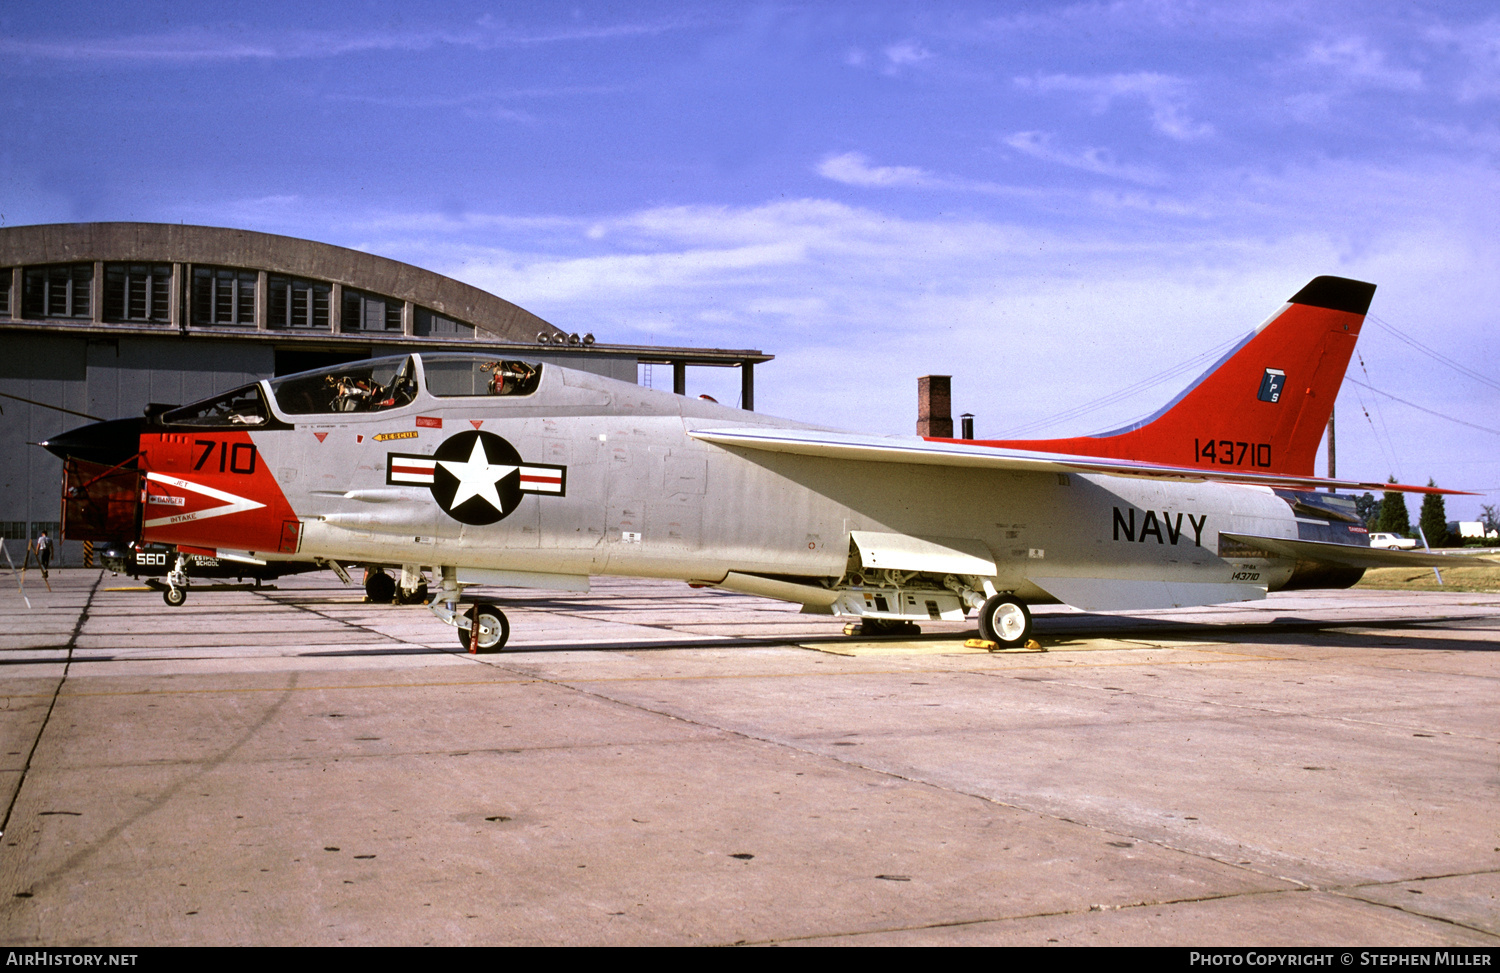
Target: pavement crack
x=36 y=741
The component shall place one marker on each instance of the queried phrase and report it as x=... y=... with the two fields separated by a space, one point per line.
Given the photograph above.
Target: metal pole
x=1330 y=448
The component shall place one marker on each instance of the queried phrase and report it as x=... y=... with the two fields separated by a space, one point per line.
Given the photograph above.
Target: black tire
x=1005 y=620
x=380 y=588
x=495 y=629
x=174 y=596
x=417 y=596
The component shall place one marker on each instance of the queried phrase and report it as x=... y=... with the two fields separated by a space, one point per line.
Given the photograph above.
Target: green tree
x=1368 y=509
x=1393 y=517
x=1434 y=519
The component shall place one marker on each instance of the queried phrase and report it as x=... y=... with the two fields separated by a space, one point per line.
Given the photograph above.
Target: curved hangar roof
x=212 y=277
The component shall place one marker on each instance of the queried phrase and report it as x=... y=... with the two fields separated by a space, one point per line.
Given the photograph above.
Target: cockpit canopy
x=365 y=386
x=464 y=375
x=375 y=385
x=242 y=407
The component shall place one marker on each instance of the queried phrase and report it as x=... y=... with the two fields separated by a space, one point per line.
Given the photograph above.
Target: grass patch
x=1421 y=579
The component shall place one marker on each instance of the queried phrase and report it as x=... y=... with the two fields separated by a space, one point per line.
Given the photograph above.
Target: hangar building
x=98 y=320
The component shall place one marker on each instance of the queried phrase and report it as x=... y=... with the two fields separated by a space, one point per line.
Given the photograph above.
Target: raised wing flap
x=924 y=452
x=936 y=555
x=1347 y=555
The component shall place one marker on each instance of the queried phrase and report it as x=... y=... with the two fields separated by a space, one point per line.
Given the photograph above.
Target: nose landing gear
x=177 y=582
x=483 y=628
x=488 y=630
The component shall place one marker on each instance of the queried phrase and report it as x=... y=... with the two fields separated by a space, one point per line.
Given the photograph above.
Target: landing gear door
x=930 y=555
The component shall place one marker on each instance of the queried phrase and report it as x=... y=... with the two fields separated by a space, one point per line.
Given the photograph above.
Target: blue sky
x=1051 y=202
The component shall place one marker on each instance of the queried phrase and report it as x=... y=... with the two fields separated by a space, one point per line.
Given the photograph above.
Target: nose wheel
x=177 y=582
x=1005 y=621
x=488 y=630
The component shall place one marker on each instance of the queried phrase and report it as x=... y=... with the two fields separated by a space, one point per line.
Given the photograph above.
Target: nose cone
x=108 y=443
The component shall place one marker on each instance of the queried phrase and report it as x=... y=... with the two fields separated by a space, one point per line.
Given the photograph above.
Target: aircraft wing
x=1355 y=557
x=926 y=452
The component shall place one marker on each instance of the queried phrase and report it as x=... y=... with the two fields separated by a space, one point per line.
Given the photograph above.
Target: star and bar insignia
x=476 y=477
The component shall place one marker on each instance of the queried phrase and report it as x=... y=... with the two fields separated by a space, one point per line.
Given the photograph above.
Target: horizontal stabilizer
x=1350 y=556
x=924 y=452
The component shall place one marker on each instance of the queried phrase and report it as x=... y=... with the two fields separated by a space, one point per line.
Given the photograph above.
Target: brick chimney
x=935 y=406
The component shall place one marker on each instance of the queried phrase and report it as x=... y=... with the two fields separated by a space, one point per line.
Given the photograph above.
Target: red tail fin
x=1262 y=407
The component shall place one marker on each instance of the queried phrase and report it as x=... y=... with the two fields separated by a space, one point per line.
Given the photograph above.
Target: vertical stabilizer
x=1263 y=407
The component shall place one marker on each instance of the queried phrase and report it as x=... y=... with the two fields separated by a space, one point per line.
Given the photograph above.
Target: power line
x=1434 y=355
x=1424 y=408
x=1387 y=429
x=1119 y=395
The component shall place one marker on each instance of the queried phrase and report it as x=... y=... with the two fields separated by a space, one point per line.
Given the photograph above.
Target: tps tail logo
x=476 y=477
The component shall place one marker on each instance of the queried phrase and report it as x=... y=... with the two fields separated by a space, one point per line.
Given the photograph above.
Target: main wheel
x=380 y=588
x=494 y=630
x=1005 y=621
x=174 y=596
x=417 y=596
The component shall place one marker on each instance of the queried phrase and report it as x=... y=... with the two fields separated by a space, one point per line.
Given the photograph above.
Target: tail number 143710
x=1227 y=452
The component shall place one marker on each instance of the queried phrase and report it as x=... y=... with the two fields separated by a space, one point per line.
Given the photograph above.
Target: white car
x=1392 y=542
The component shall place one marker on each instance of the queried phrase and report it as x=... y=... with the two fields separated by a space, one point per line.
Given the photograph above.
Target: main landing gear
x=383 y=589
x=380 y=587
x=1005 y=621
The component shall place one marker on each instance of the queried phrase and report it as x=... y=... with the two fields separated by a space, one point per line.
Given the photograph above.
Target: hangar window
x=5 y=292
x=242 y=407
x=370 y=312
x=59 y=291
x=432 y=325
x=366 y=386
x=222 y=296
x=294 y=303
x=452 y=375
x=137 y=292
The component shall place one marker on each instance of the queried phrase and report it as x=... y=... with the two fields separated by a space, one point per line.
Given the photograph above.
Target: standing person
x=43 y=551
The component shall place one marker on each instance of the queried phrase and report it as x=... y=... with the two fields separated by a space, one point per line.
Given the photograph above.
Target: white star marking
x=477 y=477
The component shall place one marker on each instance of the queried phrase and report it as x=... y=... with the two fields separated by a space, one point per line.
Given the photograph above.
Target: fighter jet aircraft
x=495 y=471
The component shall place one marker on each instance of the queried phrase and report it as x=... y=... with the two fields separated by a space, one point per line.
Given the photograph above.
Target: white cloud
x=854 y=169
x=1164 y=96
x=906 y=52
x=237 y=42
x=1354 y=61
x=1039 y=145
x=1480 y=45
